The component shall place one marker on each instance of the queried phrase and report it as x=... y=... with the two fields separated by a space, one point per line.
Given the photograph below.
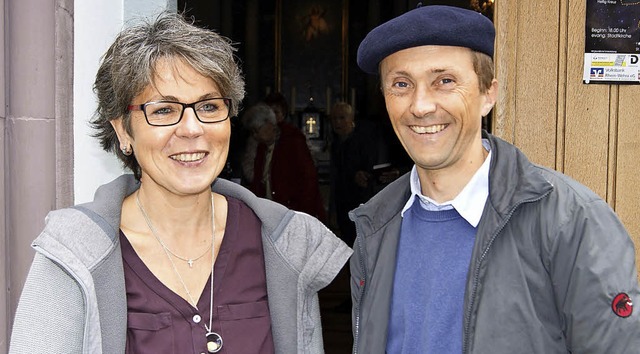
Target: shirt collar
x=469 y=203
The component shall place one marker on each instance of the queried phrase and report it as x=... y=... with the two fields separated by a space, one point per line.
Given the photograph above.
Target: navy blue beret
x=427 y=25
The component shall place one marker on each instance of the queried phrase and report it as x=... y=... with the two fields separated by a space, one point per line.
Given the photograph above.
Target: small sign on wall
x=612 y=42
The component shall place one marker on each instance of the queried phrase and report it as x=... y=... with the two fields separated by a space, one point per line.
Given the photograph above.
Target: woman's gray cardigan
x=74 y=297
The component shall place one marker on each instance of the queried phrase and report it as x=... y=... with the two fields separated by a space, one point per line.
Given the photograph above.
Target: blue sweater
x=428 y=292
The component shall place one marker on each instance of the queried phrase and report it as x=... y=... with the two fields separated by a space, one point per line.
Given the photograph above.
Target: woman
x=283 y=168
x=172 y=259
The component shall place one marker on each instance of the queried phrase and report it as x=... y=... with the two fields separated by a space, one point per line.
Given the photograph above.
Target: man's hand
x=362 y=179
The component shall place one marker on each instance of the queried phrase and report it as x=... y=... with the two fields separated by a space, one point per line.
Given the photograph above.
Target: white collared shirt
x=469 y=203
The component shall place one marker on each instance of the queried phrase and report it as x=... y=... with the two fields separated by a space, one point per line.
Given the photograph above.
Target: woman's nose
x=189 y=125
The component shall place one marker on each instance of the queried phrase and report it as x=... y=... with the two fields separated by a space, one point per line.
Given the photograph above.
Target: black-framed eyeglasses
x=164 y=113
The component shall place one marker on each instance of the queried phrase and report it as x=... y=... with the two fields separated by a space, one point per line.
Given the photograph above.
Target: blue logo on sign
x=597 y=73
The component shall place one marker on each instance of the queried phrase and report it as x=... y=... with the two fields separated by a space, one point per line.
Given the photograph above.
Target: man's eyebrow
x=433 y=71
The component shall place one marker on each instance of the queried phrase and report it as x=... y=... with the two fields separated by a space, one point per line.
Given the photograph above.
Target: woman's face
x=186 y=157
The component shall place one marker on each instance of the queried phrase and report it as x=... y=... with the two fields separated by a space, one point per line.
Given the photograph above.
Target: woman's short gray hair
x=129 y=66
x=257 y=116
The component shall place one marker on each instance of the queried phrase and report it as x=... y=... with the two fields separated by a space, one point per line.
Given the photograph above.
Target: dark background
x=280 y=49
x=276 y=55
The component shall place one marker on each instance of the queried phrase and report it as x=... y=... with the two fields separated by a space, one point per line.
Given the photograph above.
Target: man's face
x=342 y=122
x=435 y=105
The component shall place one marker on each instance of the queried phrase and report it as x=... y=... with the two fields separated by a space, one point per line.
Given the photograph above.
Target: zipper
x=476 y=273
x=62 y=265
x=363 y=283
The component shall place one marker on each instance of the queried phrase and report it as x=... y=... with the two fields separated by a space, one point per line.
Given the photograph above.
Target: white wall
x=96 y=23
x=136 y=8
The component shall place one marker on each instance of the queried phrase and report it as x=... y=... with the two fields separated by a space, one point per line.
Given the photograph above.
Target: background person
x=283 y=169
x=161 y=261
x=280 y=107
x=278 y=104
x=261 y=113
x=355 y=150
x=478 y=250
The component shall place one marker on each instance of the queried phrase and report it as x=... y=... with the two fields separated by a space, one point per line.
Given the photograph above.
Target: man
x=355 y=150
x=477 y=250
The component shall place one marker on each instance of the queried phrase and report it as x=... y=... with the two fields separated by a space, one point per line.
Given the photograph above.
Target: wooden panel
x=505 y=19
x=587 y=112
x=536 y=84
x=561 y=109
x=597 y=138
x=627 y=182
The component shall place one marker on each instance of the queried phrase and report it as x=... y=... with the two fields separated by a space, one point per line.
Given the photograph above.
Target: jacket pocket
x=151 y=333
x=239 y=320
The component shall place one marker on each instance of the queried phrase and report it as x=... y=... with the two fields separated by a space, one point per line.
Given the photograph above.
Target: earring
x=126 y=151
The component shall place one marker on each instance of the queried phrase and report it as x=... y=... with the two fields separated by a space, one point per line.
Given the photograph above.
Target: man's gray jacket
x=550 y=264
x=74 y=298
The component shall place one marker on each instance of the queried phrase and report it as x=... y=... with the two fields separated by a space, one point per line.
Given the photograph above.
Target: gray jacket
x=74 y=297
x=549 y=258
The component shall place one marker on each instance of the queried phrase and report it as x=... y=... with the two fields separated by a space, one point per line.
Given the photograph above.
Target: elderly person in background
x=255 y=115
x=356 y=148
x=283 y=169
x=173 y=259
x=280 y=106
x=260 y=121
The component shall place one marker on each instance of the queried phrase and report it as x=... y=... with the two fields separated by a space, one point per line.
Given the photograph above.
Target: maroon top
x=160 y=321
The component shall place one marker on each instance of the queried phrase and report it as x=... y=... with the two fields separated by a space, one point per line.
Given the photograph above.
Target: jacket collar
x=106 y=207
x=513 y=179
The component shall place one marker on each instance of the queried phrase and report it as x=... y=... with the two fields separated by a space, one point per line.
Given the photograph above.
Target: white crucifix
x=310 y=123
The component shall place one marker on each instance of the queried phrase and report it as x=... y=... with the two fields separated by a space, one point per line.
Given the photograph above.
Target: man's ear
x=491 y=95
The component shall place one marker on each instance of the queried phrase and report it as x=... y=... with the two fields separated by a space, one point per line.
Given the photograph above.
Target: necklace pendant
x=214 y=342
x=190 y=263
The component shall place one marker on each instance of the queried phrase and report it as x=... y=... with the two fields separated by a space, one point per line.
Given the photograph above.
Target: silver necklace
x=167 y=249
x=214 y=340
x=188 y=260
